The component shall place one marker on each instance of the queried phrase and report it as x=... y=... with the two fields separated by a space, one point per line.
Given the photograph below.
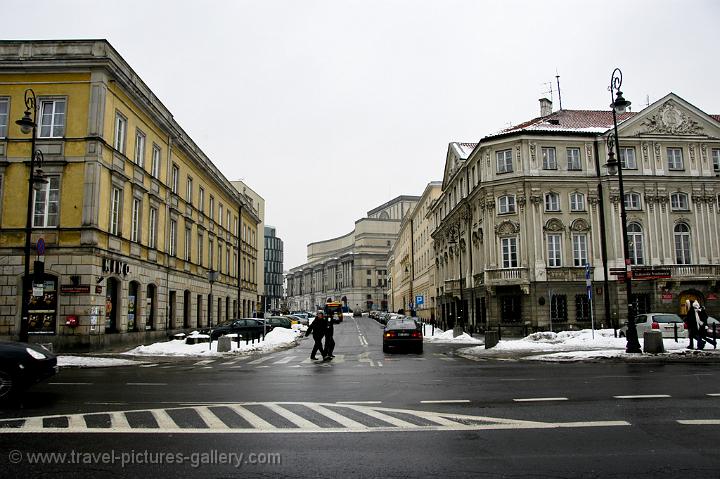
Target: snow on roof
x=580 y=121
x=464 y=149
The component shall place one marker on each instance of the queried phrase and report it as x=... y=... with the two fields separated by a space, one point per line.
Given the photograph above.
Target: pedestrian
x=702 y=320
x=691 y=323
x=318 y=328
x=329 y=341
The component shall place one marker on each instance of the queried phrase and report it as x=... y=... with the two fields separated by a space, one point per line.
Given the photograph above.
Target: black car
x=402 y=333
x=244 y=327
x=278 y=322
x=22 y=365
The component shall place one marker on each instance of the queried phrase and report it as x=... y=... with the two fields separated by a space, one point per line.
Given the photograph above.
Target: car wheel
x=7 y=385
x=419 y=350
x=386 y=349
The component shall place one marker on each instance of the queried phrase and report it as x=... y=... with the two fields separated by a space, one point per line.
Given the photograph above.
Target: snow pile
x=93 y=362
x=276 y=339
x=568 y=346
x=441 y=336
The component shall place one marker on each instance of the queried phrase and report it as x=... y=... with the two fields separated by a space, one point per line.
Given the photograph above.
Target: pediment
x=671 y=116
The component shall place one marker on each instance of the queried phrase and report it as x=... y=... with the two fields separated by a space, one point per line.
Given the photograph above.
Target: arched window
x=679 y=202
x=682 y=244
x=635 y=243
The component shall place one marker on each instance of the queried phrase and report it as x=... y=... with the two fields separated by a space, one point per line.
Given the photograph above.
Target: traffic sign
x=419 y=300
x=40 y=246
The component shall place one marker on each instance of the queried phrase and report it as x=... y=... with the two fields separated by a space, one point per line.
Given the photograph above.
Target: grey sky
x=330 y=108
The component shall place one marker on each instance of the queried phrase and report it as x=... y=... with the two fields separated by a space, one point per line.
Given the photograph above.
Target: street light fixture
x=619 y=105
x=36 y=180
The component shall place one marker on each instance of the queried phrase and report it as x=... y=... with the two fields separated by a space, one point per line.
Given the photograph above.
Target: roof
x=581 y=121
x=715 y=117
x=463 y=149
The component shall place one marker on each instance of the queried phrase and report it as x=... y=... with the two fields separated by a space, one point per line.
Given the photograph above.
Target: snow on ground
x=570 y=346
x=441 y=336
x=276 y=339
x=93 y=362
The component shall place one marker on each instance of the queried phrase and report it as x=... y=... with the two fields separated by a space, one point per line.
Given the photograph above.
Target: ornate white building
x=525 y=213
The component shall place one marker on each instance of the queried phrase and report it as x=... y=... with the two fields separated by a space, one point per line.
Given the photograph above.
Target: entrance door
x=186 y=310
x=111 y=305
x=687 y=295
x=510 y=309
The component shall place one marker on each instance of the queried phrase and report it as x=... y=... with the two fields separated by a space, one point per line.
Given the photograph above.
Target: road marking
x=258 y=367
x=71 y=384
x=700 y=422
x=151 y=365
x=163 y=419
x=340 y=419
x=285 y=360
x=146 y=384
x=212 y=421
x=299 y=421
x=106 y=403
x=229 y=363
x=254 y=420
x=358 y=402
x=203 y=362
x=261 y=360
x=644 y=396
x=383 y=417
x=714 y=394
x=118 y=421
x=518 y=379
x=539 y=399
x=445 y=401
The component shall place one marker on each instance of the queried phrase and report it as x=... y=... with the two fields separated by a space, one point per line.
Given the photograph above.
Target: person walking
x=329 y=341
x=692 y=326
x=318 y=329
x=702 y=321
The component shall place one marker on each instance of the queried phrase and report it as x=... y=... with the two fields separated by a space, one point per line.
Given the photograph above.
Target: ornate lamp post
x=36 y=180
x=619 y=105
x=458 y=328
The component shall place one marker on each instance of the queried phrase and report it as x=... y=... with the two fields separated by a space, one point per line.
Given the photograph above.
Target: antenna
x=557 y=77
x=647 y=101
x=549 y=89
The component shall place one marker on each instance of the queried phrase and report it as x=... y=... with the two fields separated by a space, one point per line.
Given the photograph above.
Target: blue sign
x=587 y=271
x=419 y=299
x=40 y=245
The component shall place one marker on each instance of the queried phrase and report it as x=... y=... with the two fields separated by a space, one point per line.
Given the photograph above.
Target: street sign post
x=588 y=286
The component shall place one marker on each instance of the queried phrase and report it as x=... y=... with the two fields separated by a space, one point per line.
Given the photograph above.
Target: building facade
x=136 y=229
x=253 y=251
x=532 y=210
x=274 y=280
x=351 y=268
x=411 y=264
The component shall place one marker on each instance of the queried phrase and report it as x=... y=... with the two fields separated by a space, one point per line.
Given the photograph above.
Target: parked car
x=667 y=323
x=710 y=322
x=297 y=319
x=22 y=365
x=402 y=333
x=243 y=327
x=278 y=322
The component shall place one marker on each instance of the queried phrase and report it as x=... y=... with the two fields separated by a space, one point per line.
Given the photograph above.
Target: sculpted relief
x=671 y=120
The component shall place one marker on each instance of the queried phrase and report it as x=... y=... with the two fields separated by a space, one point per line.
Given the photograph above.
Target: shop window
x=151 y=309
x=132 y=307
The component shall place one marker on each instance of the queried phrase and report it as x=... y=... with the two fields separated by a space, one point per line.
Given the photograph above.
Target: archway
x=692 y=295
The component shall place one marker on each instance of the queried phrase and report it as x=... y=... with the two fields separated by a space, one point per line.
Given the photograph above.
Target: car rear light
x=685 y=325
x=390 y=334
x=655 y=325
x=416 y=334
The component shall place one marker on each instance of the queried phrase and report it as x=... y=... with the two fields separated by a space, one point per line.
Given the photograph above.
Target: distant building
x=251 y=256
x=351 y=268
x=274 y=280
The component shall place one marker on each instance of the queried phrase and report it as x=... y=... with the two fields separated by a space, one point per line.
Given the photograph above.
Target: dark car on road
x=278 y=322
x=402 y=333
x=22 y=365
x=244 y=327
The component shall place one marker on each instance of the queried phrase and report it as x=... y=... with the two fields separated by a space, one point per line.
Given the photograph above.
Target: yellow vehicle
x=334 y=311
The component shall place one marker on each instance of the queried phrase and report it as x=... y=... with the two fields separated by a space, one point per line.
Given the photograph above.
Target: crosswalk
x=274 y=417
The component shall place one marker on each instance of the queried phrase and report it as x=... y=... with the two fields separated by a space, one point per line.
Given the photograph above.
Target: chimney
x=545 y=107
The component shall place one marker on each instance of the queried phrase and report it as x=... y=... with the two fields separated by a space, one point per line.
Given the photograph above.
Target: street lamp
x=28 y=124
x=458 y=329
x=619 y=105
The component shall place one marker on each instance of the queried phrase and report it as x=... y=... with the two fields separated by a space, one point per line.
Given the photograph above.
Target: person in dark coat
x=329 y=341
x=692 y=326
x=318 y=328
x=702 y=320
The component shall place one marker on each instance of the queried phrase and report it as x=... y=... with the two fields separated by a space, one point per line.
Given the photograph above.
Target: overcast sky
x=330 y=108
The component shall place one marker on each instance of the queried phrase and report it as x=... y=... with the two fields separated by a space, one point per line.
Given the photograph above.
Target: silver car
x=667 y=323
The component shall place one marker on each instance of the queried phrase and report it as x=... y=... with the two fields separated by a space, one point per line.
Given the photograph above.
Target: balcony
x=506 y=276
x=694 y=271
x=566 y=274
x=452 y=287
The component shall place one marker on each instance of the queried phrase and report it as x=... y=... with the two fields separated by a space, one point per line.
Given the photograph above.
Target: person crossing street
x=318 y=329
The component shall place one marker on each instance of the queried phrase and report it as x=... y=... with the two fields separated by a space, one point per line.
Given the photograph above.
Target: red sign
x=711 y=297
x=666 y=296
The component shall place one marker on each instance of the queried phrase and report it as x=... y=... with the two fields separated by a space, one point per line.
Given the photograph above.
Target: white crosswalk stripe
x=349 y=417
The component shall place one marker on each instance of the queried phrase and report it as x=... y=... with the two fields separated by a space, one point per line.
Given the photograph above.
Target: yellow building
x=140 y=228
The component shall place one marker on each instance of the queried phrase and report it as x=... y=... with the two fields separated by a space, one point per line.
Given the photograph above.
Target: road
x=368 y=414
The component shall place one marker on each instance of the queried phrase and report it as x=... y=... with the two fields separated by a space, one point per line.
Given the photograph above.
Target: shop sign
x=115 y=266
x=73 y=289
x=711 y=297
x=667 y=297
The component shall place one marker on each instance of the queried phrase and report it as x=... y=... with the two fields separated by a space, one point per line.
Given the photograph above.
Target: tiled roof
x=464 y=149
x=590 y=121
x=716 y=117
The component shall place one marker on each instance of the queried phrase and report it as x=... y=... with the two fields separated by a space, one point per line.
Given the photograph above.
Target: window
x=174 y=178
x=227 y=260
x=635 y=244
x=188 y=244
x=577 y=202
x=674 y=159
x=220 y=258
x=201 y=199
x=549 y=160
x=582 y=307
x=172 y=247
x=120 y=132
x=369 y=283
x=632 y=201
x=580 y=250
x=227 y=223
x=211 y=252
x=4 y=112
x=627 y=158
x=140 y=148
x=554 y=251
x=558 y=307
x=189 y=191
x=235 y=226
x=52 y=118
x=573 y=159
x=220 y=214
x=552 y=202
x=679 y=202
x=506 y=204
x=115 y=209
x=152 y=228
x=715 y=151
x=155 y=165
x=504 y=161
x=682 y=244
x=509 y=252
x=135 y=221
x=200 y=248
x=47 y=203
x=212 y=207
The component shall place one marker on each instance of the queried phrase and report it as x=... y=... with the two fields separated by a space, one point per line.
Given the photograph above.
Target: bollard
x=499 y=334
x=237 y=336
x=653 y=342
x=491 y=339
x=675 y=331
x=224 y=344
